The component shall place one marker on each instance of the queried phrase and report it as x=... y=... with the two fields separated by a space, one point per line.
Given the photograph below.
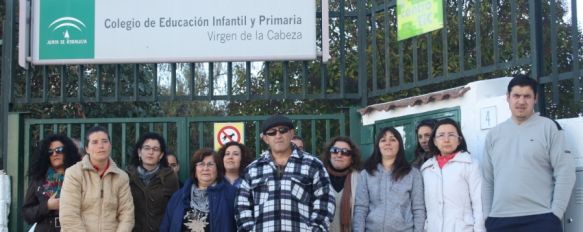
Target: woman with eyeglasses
x=41 y=203
x=96 y=193
x=342 y=161
x=206 y=202
x=235 y=157
x=452 y=182
x=389 y=194
x=151 y=180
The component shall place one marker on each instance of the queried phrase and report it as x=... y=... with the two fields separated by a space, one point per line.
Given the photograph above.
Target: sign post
x=228 y=132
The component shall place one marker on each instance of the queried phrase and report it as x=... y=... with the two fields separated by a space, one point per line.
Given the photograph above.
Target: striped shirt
x=295 y=199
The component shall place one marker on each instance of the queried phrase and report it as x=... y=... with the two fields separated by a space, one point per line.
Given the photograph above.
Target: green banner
x=67 y=29
x=415 y=17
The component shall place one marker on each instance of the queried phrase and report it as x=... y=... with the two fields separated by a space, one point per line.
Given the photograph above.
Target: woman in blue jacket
x=205 y=202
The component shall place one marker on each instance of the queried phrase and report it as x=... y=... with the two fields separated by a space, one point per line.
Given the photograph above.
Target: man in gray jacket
x=528 y=173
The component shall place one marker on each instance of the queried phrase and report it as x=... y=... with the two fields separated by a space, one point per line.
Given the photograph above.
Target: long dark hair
x=154 y=136
x=38 y=169
x=246 y=157
x=400 y=167
x=428 y=123
x=447 y=121
x=355 y=155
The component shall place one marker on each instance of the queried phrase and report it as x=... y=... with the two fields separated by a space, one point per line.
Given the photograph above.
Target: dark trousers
x=547 y=222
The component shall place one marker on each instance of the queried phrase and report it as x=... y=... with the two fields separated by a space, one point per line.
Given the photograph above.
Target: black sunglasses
x=342 y=151
x=58 y=150
x=273 y=132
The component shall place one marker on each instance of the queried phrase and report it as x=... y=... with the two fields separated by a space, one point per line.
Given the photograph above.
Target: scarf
x=53 y=183
x=199 y=199
x=146 y=176
x=345 y=206
x=442 y=160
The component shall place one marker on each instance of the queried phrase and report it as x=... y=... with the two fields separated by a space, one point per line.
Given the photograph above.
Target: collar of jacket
x=163 y=173
x=86 y=164
x=462 y=157
x=266 y=156
x=185 y=190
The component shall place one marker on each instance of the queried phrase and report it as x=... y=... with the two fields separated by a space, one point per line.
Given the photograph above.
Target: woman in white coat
x=452 y=183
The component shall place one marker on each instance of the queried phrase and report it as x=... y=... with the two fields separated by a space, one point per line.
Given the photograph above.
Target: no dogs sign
x=228 y=132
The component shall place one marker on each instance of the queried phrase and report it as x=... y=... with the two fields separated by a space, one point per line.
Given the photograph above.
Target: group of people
x=522 y=184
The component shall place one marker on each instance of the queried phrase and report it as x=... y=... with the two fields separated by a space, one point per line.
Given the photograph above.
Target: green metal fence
x=184 y=136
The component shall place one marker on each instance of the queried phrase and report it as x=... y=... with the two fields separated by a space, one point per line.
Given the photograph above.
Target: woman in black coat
x=41 y=203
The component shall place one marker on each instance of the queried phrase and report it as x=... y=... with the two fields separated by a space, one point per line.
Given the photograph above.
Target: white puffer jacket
x=453 y=197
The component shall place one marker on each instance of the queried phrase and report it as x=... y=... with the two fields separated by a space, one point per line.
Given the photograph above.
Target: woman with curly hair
x=41 y=203
x=235 y=158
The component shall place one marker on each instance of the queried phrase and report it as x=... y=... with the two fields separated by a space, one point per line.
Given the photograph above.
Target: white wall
x=574 y=135
x=483 y=96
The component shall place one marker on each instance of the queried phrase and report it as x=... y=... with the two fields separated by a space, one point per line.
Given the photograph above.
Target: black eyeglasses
x=58 y=150
x=273 y=132
x=342 y=151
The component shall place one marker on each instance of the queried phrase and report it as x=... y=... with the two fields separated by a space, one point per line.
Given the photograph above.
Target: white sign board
x=138 y=31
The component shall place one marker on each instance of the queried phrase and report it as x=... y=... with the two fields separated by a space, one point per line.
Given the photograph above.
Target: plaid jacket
x=298 y=199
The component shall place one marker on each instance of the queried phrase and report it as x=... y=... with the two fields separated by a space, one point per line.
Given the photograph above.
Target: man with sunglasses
x=285 y=189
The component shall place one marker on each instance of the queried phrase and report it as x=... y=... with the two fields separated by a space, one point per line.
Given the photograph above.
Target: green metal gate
x=184 y=135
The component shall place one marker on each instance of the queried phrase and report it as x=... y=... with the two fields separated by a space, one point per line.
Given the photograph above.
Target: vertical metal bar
x=192 y=81
x=461 y=33
x=248 y=79
x=150 y=127
x=285 y=79
x=444 y=46
x=165 y=130
x=55 y=129
x=200 y=134
x=137 y=131
x=266 y=65
x=98 y=85
x=554 y=58
x=374 y=48
x=513 y=15
x=495 y=29
x=69 y=130
x=156 y=91
x=299 y=128
x=80 y=79
x=323 y=82
x=173 y=81
x=536 y=49
x=211 y=75
x=362 y=44
x=387 y=40
x=575 y=51
x=28 y=88
x=8 y=72
x=478 y=26
x=415 y=42
x=117 y=82
x=136 y=76
x=124 y=162
x=313 y=136
x=430 y=56
x=257 y=139
x=229 y=79
x=401 y=65
x=342 y=48
x=62 y=82
x=304 y=79
x=327 y=129
x=45 y=83
x=41 y=133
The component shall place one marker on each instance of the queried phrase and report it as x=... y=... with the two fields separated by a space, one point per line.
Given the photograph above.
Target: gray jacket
x=385 y=205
